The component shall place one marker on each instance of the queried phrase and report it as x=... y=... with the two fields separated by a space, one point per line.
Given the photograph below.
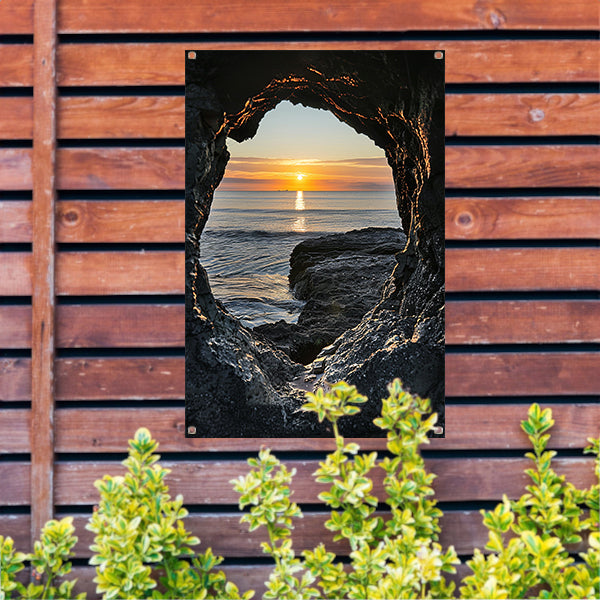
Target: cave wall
x=238 y=386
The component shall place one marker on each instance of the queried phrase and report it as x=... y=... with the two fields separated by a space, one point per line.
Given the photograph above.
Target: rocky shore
x=341 y=277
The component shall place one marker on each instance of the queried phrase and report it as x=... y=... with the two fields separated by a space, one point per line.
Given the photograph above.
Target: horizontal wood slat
x=531 y=374
x=467 y=427
x=208 y=482
x=466 y=62
x=522 y=218
x=479 y=374
x=120 y=221
x=157 y=272
x=15 y=169
x=336 y=15
x=522 y=269
x=522 y=114
x=16 y=118
x=134 y=16
x=162 y=220
x=162 y=325
x=163 y=168
x=523 y=322
x=16 y=65
x=227 y=537
x=113 y=117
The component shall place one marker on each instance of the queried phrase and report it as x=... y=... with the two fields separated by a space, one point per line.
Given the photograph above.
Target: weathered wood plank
x=522 y=269
x=15 y=326
x=163 y=116
x=512 y=373
x=467 y=427
x=15 y=437
x=120 y=168
x=162 y=220
x=466 y=61
x=16 y=16
x=43 y=262
x=229 y=538
x=121 y=117
x=16 y=118
x=158 y=272
x=522 y=166
x=523 y=322
x=120 y=221
x=522 y=114
x=337 y=15
x=15 y=221
x=16 y=483
x=479 y=374
x=16 y=65
x=522 y=218
x=15 y=169
x=107 y=273
x=466 y=167
x=208 y=482
x=16 y=274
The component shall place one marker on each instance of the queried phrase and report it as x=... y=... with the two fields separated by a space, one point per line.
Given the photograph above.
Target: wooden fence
x=91 y=263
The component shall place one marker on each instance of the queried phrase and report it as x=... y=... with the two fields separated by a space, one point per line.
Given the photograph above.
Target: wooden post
x=43 y=300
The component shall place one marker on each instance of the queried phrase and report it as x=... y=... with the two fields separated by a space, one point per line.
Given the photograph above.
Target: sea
x=249 y=236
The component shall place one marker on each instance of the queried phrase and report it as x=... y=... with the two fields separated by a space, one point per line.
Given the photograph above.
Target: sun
x=299 y=176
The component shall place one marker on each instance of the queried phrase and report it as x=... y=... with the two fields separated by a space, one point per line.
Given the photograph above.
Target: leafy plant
x=141 y=548
x=49 y=560
x=400 y=557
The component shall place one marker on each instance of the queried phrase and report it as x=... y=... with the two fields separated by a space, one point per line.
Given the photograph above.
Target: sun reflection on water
x=299 y=225
x=300 y=200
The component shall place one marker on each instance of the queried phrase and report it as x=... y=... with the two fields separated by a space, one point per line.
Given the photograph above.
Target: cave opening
x=238 y=385
x=296 y=190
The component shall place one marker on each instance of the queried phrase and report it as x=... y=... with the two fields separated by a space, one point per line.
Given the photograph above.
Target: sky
x=298 y=148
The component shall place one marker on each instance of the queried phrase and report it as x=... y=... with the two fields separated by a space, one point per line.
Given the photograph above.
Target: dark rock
x=341 y=276
x=239 y=385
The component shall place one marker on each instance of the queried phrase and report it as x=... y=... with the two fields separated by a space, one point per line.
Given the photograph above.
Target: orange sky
x=295 y=140
x=255 y=174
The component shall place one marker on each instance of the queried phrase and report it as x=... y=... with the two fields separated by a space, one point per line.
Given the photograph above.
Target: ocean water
x=249 y=237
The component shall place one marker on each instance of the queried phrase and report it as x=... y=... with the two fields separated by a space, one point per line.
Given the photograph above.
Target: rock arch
x=239 y=386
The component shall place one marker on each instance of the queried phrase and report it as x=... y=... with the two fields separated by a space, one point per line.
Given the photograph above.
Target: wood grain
x=227 y=537
x=162 y=220
x=467 y=427
x=16 y=118
x=522 y=114
x=161 y=272
x=466 y=167
x=467 y=374
x=16 y=65
x=121 y=117
x=522 y=218
x=208 y=482
x=466 y=61
x=523 y=322
x=15 y=169
x=15 y=436
x=15 y=221
x=522 y=166
x=516 y=374
x=162 y=325
x=337 y=15
x=121 y=221
x=43 y=265
x=109 y=117
x=107 y=273
x=522 y=269
x=16 y=16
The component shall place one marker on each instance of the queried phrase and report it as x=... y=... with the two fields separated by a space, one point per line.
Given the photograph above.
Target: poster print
x=304 y=268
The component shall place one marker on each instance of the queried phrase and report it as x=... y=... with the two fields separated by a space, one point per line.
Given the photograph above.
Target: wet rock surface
x=341 y=277
x=239 y=385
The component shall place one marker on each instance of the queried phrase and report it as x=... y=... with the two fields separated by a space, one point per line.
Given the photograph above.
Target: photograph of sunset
x=302 y=204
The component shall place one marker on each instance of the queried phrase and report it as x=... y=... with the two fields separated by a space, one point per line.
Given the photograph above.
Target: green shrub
x=142 y=550
x=400 y=557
